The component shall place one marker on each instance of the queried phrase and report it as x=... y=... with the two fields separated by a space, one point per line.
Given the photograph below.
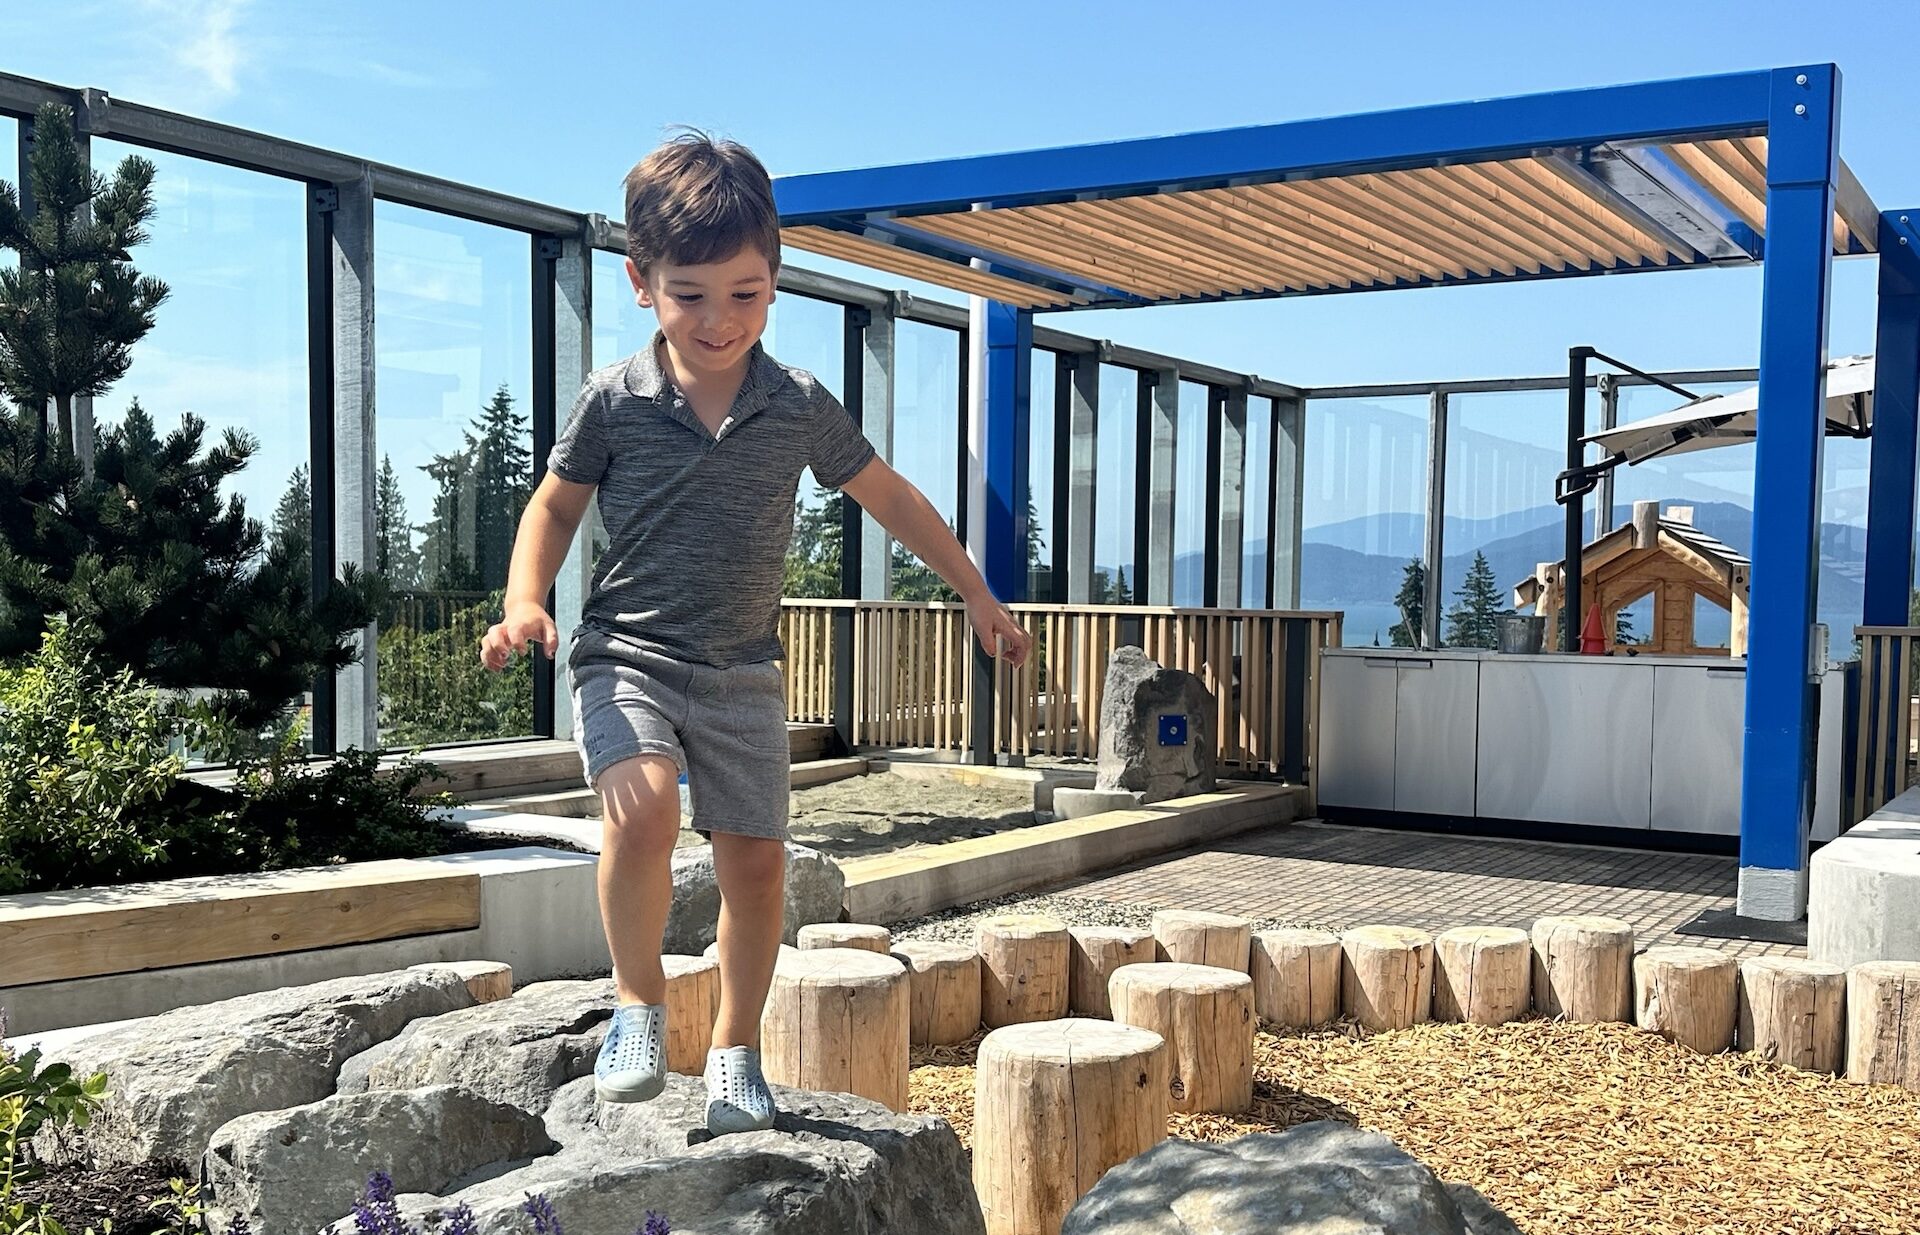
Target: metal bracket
x=859 y=316
x=90 y=117
x=599 y=231
x=1103 y=350
x=899 y=303
x=326 y=199
x=547 y=248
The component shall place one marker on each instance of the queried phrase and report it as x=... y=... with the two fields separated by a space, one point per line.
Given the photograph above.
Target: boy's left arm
x=906 y=513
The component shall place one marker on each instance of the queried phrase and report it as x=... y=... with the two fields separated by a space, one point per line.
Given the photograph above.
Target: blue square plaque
x=1173 y=731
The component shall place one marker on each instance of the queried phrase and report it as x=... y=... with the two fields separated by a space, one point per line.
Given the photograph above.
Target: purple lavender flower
x=656 y=1225
x=460 y=1221
x=540 y=1209
x=376 y=1213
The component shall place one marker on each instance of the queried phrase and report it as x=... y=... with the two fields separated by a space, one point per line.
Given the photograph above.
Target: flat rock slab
x=832 y=1164
x=519 y=1050
x=1316 y=1178
x=299 y=1169
x=174 y=1079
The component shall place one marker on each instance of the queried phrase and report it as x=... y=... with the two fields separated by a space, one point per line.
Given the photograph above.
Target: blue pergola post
x=997 y=480
x=1776 y=788
x=1896 y=400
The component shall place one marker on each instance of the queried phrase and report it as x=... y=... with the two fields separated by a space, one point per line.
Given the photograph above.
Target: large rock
x=518 y=1050
x=1138 y=693
x=173 y=1079
x=299 y=1169
x=832 y=1164
x=1318 y=1177
x=815 y=888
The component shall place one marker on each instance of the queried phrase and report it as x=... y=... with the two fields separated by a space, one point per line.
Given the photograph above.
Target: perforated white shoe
x=738 y=1099
x=632 y=1066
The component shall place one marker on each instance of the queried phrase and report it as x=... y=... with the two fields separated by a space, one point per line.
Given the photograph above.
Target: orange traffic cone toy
x=1593 y=635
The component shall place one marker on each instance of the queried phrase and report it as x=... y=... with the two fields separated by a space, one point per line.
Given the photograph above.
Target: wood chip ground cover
x=1576 y=1129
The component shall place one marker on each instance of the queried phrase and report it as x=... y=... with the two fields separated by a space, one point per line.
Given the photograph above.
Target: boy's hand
x=524 y=623
x=996 y=626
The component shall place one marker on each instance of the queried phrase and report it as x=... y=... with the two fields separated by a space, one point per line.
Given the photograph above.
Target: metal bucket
x=1520 y=634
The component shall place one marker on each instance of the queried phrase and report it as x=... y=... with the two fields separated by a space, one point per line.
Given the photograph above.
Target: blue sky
x=555 y=102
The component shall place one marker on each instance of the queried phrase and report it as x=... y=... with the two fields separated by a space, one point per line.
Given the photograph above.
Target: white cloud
x=207 y=52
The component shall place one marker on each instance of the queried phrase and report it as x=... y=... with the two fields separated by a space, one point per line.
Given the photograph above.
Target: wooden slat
x=919 y=266
x=1178 y=263
x=1042 y=236
x=1407 y=206
x=1365 y=214
x=1293 y=227
x=1440 y=192
x=1517 y=205
x=1220 y=222
x=1125 y=220
x=1695 y=160
x=56 y=936
x=1612 y=231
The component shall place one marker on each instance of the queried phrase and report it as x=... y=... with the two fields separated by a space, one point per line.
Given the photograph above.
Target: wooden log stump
x=1687 y=994
x=1583 y=968
x=1182 y=937
x=1056 y=1105
x=693 y=1000
x=1296 y=977
x=1024 y=964
x=1096 y=952
x=837 y=1019
x=1883 y=1023
x=1482 y=975
x=845 y=935
x=945 y=991
x=1794 y=1012
x=486 y=981
x=1387 y=976
x=1205 y=1013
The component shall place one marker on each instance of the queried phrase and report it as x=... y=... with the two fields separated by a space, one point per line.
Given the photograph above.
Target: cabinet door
x=1435 y=736
x=1698 y=716
x=1356 y=732
x=1566 y=741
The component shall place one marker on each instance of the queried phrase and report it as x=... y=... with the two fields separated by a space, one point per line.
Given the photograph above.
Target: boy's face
x=712 y=314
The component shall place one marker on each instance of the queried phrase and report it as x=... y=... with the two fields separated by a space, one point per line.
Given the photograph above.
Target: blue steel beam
x=1002 y=485
x=1776 y=784
x=1731 y=104
x=1896 y=402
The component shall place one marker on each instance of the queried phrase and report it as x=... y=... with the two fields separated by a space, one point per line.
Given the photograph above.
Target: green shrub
x=89 y=755
x=433 y=687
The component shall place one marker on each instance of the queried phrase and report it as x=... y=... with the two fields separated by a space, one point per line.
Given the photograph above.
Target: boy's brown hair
x=696 y=200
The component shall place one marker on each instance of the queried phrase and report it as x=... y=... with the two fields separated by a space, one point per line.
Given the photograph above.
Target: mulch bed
x=82 y=1196
x=1576 y=1129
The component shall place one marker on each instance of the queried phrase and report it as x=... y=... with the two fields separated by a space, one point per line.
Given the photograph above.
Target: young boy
x=695 y=445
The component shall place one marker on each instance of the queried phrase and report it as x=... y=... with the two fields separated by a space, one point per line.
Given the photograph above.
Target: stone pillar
x=1083 y=461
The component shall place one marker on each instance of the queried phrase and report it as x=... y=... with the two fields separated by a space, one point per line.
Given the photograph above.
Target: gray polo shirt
x=699 y=524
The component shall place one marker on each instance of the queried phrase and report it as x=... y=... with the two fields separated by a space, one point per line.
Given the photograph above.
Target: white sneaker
x=632 y=1066
x=738 y=1099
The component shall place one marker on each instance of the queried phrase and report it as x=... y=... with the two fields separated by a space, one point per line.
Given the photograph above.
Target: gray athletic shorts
x=725 y=728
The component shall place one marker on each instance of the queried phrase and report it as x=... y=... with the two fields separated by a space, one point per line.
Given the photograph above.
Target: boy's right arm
x=547 y=527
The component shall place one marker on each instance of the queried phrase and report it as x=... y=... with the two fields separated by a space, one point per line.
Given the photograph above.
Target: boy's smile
x=712 y=314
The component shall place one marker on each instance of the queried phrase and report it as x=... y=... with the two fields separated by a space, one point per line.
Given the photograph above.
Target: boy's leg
x=752 y=876
x=640 y=821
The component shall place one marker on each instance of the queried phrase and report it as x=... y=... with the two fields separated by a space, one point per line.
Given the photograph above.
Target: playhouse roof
x=1713 y=559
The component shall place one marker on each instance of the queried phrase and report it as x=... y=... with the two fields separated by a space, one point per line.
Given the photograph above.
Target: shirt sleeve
x=581 y=452
x=840 y=450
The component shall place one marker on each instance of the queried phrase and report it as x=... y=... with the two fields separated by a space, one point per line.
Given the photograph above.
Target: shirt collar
x=646 y=379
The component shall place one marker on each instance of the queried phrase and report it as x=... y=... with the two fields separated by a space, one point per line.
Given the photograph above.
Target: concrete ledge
x=539 y=913
x=1863 y=897
x=890 y=887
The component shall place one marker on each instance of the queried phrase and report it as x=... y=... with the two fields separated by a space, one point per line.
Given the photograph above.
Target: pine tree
x=1470 y=624
x=483 y=488
x=813 y=558
x=395 y=558
x=1411 y=600
x=72 y=309
x=292 y=528
x=157 y=573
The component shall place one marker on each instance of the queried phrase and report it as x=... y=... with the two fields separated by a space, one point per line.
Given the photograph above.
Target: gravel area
x=956 y=925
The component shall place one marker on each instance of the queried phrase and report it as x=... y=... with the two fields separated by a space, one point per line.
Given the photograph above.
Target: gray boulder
x=815 y=888
x=832 y=1164
x=1315 y=1178
x=174 y=1079
x=1138 y=693
x=299 y=1169
x=518 y=1050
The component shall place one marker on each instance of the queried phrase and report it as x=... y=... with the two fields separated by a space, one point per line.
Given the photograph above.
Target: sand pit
x=1576 y=1129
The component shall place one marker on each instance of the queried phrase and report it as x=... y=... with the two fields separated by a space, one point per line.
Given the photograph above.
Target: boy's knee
x=750 y=859
x=640 y=801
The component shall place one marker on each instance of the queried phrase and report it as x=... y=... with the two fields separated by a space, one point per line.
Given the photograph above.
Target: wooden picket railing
x=1887 y=722
x=912 y=674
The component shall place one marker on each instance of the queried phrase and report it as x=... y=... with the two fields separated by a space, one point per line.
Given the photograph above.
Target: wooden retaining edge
x=91 y=932
x=892 y=887
x=577 y=801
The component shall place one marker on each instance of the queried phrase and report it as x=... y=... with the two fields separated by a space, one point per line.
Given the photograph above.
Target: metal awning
x=1729 y=419
x=1250 y=213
